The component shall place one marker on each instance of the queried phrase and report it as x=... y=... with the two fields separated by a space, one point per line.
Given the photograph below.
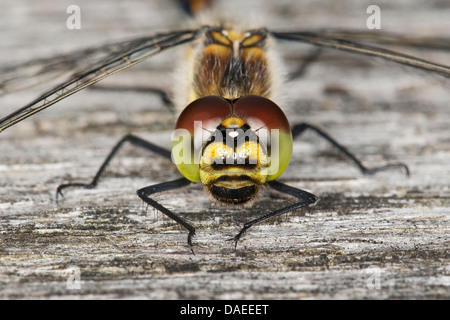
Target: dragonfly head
x=232 y=147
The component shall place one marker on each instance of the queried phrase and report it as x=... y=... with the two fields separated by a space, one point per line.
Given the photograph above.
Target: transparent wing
x=101 y=63
x=387 y=38
x=34 y=72
x=342 y=40
x=30 y=73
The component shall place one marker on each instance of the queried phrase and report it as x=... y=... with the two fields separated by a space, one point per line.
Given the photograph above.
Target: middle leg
x=298 y=129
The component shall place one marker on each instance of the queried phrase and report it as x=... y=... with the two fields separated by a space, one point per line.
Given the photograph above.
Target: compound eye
x=210 y=110
x=261 y=112
x=269 y=122
x=194 y=125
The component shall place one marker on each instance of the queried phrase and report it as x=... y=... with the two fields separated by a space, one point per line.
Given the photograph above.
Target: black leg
x=305 y=198
x=136 y=141
x=144 y=194
x=300 y=128
x=307 y=62
x=145 y=90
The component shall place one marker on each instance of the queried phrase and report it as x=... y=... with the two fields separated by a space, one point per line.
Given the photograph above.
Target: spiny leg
x=305 y=198
x=300 y=128
x=144 y=194
x=136 y=141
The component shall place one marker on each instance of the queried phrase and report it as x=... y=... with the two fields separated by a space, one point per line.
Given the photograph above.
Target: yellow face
x=234 y=166
x=247 y=143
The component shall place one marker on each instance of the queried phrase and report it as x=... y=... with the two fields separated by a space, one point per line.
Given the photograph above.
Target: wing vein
x=131 y=53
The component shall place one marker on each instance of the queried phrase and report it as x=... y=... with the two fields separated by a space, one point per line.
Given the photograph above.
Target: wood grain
x=387 y=227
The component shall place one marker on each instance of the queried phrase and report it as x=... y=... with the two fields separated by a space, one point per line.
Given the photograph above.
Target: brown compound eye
x=210 y=110
x=197 y=121
x=261 y=112
x=267 y=120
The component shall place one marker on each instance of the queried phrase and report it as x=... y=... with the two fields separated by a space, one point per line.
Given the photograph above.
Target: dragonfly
x=230 y=136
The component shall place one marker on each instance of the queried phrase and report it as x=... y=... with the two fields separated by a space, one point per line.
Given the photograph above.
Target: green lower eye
x=280 y=155
x=184 y=155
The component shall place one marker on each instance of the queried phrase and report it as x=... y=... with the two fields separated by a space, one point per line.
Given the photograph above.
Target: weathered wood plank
x=387 y=227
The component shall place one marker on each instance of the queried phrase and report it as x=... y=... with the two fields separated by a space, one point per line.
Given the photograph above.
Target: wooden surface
x=380 y=237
